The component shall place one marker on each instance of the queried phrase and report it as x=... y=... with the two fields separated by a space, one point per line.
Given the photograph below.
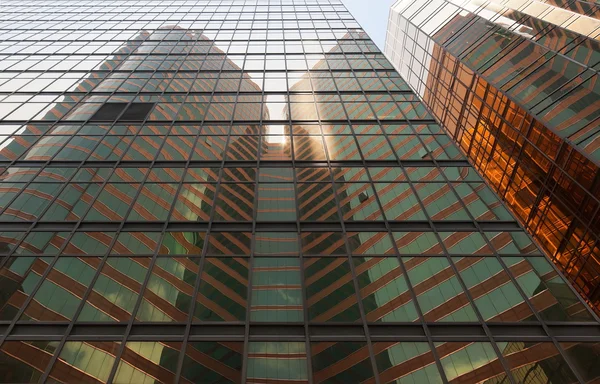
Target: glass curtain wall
x=246 y=191
x=515 y=84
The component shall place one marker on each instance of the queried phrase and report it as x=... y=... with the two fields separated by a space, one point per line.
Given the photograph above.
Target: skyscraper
x=515 y=84
x=246 y=191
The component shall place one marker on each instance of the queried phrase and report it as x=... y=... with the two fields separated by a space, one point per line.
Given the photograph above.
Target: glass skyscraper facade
x=246 y=191
x=515 y=84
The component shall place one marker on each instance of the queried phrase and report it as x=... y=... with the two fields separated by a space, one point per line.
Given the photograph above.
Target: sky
x=372 y=15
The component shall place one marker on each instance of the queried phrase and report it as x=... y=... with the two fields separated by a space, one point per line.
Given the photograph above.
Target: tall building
x=246 y=191
x=515 y=84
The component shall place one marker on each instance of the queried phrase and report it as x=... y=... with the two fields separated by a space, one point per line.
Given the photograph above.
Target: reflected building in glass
x=515 y=84
x=245 y=191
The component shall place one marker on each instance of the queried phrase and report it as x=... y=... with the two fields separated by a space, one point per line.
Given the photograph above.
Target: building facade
x=515 y=84
x=246 y=191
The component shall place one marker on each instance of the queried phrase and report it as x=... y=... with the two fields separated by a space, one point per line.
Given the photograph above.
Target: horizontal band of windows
x=233 y=93
x=202 y=54
x=190 y=44
x=194 y=226
x=263 y=121
x=202 y=123
x=332 y=332
x=238 y=164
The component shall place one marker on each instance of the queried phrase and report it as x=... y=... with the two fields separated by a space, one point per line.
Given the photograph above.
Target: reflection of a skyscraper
x=554 y=208
x=120 y=280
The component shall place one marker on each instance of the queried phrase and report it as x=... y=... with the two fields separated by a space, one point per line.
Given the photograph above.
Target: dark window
x=112 y=111
x=109 y=112
x=137 y=111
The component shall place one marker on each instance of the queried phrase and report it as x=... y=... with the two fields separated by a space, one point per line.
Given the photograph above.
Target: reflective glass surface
x=246 y=191
x=515 y=85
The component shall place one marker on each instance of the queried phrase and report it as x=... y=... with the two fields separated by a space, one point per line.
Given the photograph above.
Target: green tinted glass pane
x=19 y=278
x=494 y=294
x=276 y=202
x=548 y=292
x=406 y=363
x=169 y=291
x=340 y=362
x=80 y=362
x=136 y=243
x=370 y=243
x=116 y=290
x=316 y=202
x=466 y=243
x=276 y=244
x=229 y=243
x=330 y=293
x=277 y=362
x=223 y=294
x=147 y=361
x=584 y=358
x=384 y=292
x=88 y=243
x=417 y=243
x=399 y=202
x=182 y=243
x=213 y=362
x=438 y=290
x=276 y=290
x=440 y=201
x=194 y=202
x=468 y=361
x=358 y=202
x=235 y=202
x=59 y=295
x=323 y=243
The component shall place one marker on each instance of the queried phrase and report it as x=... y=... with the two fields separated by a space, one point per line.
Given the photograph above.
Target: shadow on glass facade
x=246 y=191
x=517 y=91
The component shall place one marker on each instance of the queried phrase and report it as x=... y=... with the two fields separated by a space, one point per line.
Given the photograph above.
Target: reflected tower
x=514 y=86
x=248 y=192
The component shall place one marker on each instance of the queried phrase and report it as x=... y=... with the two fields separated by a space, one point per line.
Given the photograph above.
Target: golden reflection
x=492 y=149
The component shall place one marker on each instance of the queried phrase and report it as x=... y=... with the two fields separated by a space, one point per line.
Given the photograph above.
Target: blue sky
x=372 y=16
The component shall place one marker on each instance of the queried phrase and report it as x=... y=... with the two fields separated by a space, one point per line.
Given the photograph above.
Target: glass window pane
x=471 y=362
x=548 y=292
x=169 y=291
x=182 y=243
x=399 y=202
x=316 y=202
x=533 y=361
x=342 y=362
x=323 y=243
x=144 y=361
x=60 y=294
x=116 y=290
x=406 y=362
x=80 y=362
x=276 y=290
x=276 y=202
x=25 y=361
x=417 y=243
x=223 y=294
x=330 y=293
x=383 y=289
x=213 y=362
x=438 y=290
x=277 y=362
x=276 y=244
x=358 y=202
x=494 y=294
x=235 y=202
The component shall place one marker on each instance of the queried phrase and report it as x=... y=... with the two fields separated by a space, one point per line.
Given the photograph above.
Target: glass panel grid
x=247 y=191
